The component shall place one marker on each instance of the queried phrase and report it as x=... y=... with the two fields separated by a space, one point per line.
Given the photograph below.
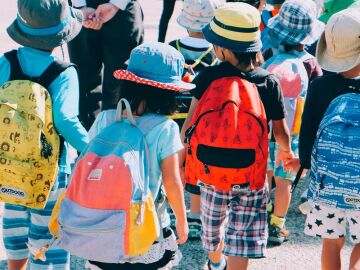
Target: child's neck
x=352 y=73
x=196 y=34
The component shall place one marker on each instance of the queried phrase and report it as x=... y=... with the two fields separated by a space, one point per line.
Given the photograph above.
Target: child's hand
x=285 y=157
x=294 y=165
x=182 y=230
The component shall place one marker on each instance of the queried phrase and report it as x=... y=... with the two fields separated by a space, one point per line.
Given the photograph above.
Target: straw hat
x=236 y=26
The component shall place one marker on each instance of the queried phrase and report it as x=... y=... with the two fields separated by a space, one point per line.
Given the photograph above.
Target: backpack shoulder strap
x=48 y=76
x=52 y=72
x=148 y=123
x=16 y=72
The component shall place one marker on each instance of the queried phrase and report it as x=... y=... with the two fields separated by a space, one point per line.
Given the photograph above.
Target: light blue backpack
x=108 y=214
x=335 y=159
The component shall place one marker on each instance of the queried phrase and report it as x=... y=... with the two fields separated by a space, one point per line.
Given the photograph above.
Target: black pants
x=168 y=10
x=104 y=50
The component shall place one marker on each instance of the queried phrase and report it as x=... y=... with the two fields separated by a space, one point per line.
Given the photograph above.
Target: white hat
x=338 y=49
x=197 y=13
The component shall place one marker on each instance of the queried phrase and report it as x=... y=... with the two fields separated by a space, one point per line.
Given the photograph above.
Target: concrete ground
x=299 y=253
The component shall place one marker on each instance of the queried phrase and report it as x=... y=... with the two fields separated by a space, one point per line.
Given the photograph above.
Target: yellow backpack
x=29 y=143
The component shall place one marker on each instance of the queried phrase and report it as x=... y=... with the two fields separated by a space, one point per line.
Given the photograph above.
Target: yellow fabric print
x=29 y=144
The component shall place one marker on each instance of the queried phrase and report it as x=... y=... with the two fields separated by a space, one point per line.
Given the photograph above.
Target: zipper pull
x=189 y=150
x=140 y=218
x=207 y=170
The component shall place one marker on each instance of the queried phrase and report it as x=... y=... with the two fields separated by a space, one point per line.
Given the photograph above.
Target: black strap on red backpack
x=45 y=79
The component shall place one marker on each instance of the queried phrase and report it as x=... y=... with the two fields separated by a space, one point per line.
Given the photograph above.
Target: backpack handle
x=119 y=112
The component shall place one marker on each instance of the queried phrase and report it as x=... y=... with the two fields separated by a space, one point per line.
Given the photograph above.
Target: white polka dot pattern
x=129 y=76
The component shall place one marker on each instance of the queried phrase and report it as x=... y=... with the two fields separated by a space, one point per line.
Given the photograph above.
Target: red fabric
x=232 y=125
x=129 y=76
x=95 y=178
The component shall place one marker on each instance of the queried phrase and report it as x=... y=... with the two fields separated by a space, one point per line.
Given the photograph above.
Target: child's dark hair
x=246 y=59
x=157 y=100
x=254 y=3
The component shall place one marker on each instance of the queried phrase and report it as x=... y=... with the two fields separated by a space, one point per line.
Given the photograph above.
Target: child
x=151 y=93
x=34 y=29
x=198 y=54
x=333 y=209
x=290 y=32
x=235 y=34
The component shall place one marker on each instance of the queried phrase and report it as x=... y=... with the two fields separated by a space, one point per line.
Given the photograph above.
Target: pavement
x=298 y=253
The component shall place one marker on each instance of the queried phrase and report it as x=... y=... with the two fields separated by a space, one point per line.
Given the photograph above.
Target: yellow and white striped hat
x=235 y=26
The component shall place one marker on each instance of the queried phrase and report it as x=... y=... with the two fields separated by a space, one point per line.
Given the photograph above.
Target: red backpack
x=227 y=142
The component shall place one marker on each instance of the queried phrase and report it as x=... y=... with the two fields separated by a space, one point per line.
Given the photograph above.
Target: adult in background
x=112 y=29
x=168 y=10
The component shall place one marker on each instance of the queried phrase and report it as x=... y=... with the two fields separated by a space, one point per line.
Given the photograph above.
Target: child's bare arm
x=175 y=194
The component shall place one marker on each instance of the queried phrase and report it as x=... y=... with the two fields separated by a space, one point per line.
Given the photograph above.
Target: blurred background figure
x=112 y=29
x=168 y=10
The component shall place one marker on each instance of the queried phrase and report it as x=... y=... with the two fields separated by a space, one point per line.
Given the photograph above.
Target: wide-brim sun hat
x=338 y=49
x=197 y=13
x=235 y=26
x=333 y=6
x=156 y=64
x=295 y=24
x=45 y=24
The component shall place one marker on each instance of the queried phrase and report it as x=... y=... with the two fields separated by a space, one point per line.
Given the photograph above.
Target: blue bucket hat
x=295 y=24
x=156 y=64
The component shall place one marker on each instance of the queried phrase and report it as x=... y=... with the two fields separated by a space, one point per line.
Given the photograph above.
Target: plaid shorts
x=240 y=215
x=22 y=226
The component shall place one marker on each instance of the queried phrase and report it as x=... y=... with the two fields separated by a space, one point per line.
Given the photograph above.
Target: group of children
x=268 y=49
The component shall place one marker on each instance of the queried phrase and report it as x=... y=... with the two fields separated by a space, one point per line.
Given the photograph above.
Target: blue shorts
x=279 y=171
x=22 y=226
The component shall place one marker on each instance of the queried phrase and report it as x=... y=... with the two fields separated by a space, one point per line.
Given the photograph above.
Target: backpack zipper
x=189 y=132
x=80 y=230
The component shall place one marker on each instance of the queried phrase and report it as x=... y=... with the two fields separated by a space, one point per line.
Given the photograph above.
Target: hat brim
x=179 y=86
x=279 y=34
x=334 y=64
x=233 y=45
x=71 y=30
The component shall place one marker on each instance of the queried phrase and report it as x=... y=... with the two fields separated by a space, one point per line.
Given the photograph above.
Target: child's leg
x=282 y=197
x=16 y=224
x=236 y=263
x=353 y=219
x=355 y=258
x=17 y=264
x=195 y=204
x=330 y=255
x=213 y=215
x=39 y=235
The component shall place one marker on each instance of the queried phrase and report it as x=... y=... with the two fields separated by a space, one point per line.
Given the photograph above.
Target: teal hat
x=45 y=24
